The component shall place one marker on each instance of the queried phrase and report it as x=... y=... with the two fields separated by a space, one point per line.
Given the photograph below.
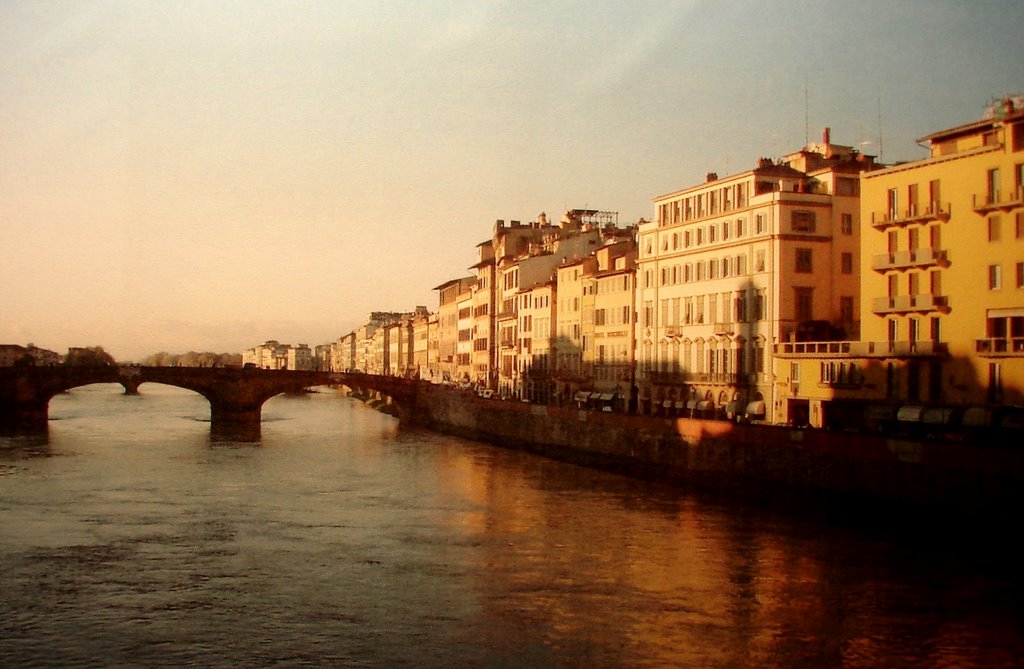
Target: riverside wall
x=914 y=480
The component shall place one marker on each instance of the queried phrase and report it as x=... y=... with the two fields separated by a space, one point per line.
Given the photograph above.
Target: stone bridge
x=236 y=395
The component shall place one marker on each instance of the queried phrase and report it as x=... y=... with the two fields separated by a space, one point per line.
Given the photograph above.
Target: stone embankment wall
x=756 y=460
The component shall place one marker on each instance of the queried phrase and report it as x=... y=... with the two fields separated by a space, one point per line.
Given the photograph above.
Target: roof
x=990 y=121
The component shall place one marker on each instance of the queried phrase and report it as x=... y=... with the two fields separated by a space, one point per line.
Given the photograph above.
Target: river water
x=129 y=538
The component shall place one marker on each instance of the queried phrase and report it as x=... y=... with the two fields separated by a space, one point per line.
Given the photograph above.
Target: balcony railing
x=998 y=200
x=724 y=327
x=900 y=304
x=922 y=257
x=860 y=349
x=935 y=211
x=679 y=377
x=816 y=349
x=1000 y=346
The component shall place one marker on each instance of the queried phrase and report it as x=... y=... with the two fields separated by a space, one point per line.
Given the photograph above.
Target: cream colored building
x=536 y=333
x=452 y=296
x=943 y=284
x=734 y=265
x=611 y=340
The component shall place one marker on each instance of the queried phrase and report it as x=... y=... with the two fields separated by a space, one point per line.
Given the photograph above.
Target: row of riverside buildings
x=820 y=289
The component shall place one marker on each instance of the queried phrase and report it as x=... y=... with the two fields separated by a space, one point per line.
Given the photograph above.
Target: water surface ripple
x=129 y=538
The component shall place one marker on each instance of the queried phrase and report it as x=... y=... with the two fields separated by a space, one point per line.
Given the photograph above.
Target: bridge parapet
x=236 y=395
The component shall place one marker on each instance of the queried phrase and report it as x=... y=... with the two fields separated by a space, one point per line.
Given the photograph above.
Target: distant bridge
x=236 y=395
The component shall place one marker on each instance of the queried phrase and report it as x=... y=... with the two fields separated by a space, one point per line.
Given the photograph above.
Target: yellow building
x=942 y=332
x=734 y=265
x=611 y=339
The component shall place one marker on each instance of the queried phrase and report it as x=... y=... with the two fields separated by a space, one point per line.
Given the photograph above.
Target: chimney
x=711 y=176
x=826 y=135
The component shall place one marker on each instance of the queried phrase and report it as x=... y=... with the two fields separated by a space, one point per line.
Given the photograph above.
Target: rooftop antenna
x=880 y=129
x=807 y=124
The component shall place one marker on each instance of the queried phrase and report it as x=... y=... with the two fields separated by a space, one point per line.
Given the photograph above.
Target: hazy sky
x=209 y=175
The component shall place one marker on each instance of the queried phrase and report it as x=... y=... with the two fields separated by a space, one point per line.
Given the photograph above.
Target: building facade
x=734 y=265
x=942 y=334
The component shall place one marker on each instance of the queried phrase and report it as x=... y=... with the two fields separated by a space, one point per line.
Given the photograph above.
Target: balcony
x=923 y=257
x=903 y=304
x=813 y=349
x=724 y=327
x=936 y=211
x=680 y=377
x=999 y=347
x=999 y=201
x=862 y=349
x=898 y=349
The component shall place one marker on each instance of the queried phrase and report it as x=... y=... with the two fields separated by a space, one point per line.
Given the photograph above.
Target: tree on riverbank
x=89 y=356
x=192 y=359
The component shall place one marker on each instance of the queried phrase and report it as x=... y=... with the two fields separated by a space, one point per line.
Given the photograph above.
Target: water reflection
x=343 y=539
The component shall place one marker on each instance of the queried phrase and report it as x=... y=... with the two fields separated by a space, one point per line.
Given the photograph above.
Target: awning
x=680 y=405
x=581 y=396
x=607 y=397
x=1013 y=419
x=879 y=412
x=595 y=396
x=937 y=416
x=755 y=408
x=703 y=405
x=977 y=417
x=692 y=404
x=910 y=414
x=667 y=404
x=731 y=407
x=1012 y=312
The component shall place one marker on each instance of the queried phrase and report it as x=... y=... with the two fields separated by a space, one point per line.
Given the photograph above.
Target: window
x=802 y=221
x=894 y=329
x=739 y=227
x=1020 y=275
x=1019 y=226
x=995 y=277
x=804 y=264
x=712 y=231
x=725 y=230
x=992 y=183
x=846 y=224
x=934 y=193
x=892 y=201
x=846 y=309
x=759 y=224
x=687 y=238
x=846 y=263
x=995 y=382
x=804 y=303
x=741 y=307
x=994 y=223
x=759 y=261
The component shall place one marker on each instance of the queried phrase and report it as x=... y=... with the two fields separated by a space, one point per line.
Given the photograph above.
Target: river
x=129 y=538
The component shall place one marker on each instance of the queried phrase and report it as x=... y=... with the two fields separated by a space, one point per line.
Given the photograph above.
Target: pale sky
x=208 y=175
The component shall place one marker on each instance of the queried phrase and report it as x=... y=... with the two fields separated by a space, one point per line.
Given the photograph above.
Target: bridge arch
x=236 y=395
